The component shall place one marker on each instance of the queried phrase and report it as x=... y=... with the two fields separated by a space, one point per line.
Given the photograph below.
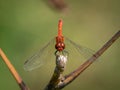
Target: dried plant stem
x=13 y=71
x=58 y=4
x=69 y=78
x=55 y=80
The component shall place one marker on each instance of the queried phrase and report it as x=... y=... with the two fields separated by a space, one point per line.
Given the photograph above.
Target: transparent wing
x=76 y=50
x=40 y=57
x=45 y=54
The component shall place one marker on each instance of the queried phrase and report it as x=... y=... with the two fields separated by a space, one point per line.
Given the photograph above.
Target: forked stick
x=13 y=71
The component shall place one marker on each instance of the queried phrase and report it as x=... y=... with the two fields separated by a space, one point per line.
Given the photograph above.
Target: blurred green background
x=26 y=25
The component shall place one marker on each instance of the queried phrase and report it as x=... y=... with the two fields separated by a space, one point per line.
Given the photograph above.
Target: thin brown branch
x=69 y=78
x=58 y=4
x=13 y=71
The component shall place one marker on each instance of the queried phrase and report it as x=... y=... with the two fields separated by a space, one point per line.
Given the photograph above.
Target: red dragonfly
x=63 y=45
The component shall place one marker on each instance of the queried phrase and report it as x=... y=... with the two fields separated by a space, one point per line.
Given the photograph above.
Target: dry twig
x=58 y=4
x=13 y=71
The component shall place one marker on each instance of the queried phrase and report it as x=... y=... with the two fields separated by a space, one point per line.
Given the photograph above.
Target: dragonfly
x=58 y=45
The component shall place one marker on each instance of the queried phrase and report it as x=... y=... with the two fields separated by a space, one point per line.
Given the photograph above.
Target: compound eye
x=63 y=45
x=57 y=45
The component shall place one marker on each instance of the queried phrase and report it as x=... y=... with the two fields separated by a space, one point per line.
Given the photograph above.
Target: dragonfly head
x=60 y=46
